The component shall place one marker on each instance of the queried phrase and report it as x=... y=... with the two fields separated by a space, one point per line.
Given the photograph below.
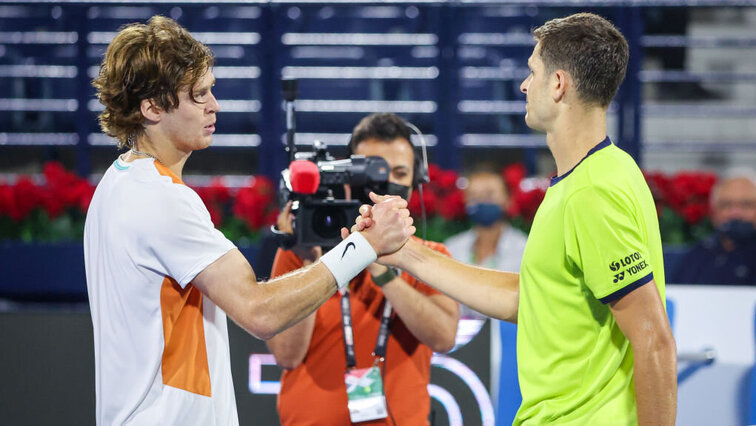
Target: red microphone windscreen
x=305 y=177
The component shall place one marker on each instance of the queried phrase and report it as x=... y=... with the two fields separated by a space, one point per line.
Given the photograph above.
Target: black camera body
x=343 y=188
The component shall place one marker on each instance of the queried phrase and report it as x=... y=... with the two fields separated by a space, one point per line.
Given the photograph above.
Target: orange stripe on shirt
x=165 y=171
x=185 y=363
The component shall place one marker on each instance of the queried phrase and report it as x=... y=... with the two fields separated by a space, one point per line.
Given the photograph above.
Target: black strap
x=383 y=332
x=284 y=240
x=346 y=322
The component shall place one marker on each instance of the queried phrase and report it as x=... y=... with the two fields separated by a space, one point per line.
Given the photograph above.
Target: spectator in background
x=313 y=352
x=729 y=255
x=491 y=243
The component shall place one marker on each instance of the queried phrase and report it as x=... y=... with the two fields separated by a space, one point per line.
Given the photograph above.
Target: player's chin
x=528 y=120
x=532 y=123
x=203 y=142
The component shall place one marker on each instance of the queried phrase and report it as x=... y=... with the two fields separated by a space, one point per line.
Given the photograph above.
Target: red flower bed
x=51 y=210
x=682 y=201
x=523 y=202
x=53 y=207
x=441 y=196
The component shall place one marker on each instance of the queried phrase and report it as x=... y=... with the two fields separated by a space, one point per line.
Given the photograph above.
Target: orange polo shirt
x=314 y=393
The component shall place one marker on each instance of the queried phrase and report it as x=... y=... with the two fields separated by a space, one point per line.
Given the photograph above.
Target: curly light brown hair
x=147 y=61
x=588 y=47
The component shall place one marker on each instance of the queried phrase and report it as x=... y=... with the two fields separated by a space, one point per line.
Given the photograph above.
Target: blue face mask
x=484 y=214
x=738 y=230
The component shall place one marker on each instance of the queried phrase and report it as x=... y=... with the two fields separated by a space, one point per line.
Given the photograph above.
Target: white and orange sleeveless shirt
x=161 y=347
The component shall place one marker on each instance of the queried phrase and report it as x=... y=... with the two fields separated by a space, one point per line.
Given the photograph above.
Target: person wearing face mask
x=491 y=243
x=728 y=256
x=420 y=320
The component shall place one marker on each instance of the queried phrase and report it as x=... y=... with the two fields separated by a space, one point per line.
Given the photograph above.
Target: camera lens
x=328 y=221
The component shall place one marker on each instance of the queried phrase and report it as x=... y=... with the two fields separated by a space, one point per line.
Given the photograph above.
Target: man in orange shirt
x=420 y=320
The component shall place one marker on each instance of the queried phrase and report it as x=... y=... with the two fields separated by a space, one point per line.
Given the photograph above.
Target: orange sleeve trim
x=165 y=171
x=184 y=363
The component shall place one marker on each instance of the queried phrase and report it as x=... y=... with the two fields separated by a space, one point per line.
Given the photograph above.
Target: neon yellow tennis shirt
x=594 y=239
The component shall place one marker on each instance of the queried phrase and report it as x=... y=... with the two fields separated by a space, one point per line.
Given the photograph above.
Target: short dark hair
x=588 y=47
x=384 y=127
x=153 y=61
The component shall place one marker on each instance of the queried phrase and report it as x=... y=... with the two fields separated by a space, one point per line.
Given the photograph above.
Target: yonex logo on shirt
x=627 y=261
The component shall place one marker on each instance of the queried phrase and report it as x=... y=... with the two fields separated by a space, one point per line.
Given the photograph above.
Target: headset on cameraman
x=420 y=174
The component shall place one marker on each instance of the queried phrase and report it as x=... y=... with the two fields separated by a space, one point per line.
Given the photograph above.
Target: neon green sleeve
x=605 y=240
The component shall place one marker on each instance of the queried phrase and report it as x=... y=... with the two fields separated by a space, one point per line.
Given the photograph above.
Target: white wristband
x=349 y=258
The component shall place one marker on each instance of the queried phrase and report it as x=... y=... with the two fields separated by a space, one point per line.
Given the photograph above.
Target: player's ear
x=150 y=110
x=560 y=83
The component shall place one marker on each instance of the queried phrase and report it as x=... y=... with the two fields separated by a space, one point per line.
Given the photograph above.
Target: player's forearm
x=493 y=293
x=432 y=321
x=286 y=300
x=291 y=345
x=655 y=375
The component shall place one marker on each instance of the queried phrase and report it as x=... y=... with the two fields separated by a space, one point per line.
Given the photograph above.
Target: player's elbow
x=662 y=339
x=288 y=361
x=665 y=344
x=445 y=340
x=261 y=330
x=260 y=322
x=444 y=345
x=659 y=347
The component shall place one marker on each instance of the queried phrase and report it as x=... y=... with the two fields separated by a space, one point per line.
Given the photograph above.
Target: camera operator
x=314 y=352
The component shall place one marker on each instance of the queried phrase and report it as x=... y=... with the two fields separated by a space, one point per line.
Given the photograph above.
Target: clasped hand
x=387 y=222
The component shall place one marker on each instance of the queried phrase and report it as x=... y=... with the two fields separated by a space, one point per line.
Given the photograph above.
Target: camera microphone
x=305 y=177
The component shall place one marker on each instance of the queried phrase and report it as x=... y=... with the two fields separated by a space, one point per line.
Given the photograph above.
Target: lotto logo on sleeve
x=627 y=266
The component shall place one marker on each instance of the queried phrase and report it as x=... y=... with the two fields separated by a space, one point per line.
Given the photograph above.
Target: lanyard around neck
x=346 y=322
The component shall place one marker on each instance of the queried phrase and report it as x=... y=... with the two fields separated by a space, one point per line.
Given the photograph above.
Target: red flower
x=447 y=180
x=63 y=190
x=434 y=171
x=513 y=175
x=7 y=201
x=27 y=196
x=53 y=203
x=85 y=197
x=249 y=207
x=254 y=203
x=217 y=192
x=429 y=199
x=452 y=207
x=526 y=203
x=693 y=213
x=272 y=217
x=216 y=214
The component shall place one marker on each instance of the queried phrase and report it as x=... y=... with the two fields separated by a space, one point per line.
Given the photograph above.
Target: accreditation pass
x=365 y=394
